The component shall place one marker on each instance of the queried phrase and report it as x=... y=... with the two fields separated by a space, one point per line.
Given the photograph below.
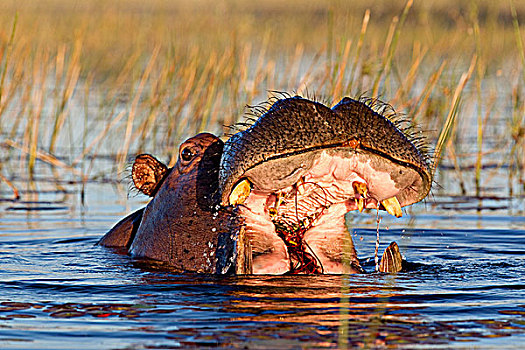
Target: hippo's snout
x=282 y=143
x=301 y=166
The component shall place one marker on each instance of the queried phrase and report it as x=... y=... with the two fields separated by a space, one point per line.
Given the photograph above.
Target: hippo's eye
x=187 y=154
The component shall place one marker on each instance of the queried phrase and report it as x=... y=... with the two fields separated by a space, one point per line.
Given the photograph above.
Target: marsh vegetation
x=91 y=80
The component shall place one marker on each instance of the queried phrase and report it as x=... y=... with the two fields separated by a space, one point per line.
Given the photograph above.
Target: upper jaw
x=362 y=175
x=277 y=150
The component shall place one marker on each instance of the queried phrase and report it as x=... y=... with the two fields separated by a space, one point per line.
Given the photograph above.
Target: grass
x=84 y=80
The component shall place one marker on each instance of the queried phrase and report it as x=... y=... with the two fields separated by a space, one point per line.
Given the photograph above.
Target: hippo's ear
x=148 y=174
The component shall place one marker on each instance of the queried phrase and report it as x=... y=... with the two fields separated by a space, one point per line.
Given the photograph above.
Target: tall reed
x=108 y=81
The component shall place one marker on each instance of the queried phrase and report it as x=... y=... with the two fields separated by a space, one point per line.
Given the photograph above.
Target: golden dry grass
x=85 y=78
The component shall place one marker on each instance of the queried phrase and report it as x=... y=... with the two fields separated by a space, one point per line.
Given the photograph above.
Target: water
x=464 y=288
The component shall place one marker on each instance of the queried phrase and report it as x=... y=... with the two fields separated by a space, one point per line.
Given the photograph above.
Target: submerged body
x=273 y=198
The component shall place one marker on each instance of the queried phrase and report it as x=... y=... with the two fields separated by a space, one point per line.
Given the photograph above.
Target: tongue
x=330 y=243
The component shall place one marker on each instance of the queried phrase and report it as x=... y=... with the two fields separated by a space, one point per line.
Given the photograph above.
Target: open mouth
x=301 y=167
x=299 y=225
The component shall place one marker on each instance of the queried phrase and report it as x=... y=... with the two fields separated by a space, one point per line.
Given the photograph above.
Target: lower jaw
x=325 y=248
x=277 y=264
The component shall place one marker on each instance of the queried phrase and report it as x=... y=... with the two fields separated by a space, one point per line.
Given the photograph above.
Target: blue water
x=465 y=286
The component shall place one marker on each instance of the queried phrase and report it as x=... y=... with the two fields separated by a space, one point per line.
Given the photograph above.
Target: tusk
x=240 y=192
x=393 y=207
x=391 y=261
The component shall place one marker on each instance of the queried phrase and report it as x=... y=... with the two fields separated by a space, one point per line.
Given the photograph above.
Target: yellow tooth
x=360 y=204
x=393 y=207
x=279 y=200
x=240 y=192
x=360 y=188
x=301 y=189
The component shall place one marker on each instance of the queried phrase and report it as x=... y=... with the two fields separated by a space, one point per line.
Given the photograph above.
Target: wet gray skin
x=303 y=161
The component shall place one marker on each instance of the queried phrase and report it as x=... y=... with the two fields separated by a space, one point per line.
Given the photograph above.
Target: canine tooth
x=240 y=192
x=360 y=204
x=392 y=206
x=391 y=261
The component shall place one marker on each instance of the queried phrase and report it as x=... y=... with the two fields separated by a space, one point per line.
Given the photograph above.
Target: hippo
x=272 y=199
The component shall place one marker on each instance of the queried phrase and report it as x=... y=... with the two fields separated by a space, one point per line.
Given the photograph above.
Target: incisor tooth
x=240 y=192
x=360 y=204
x=393 y=207
x=360 y=188
x=301 y=189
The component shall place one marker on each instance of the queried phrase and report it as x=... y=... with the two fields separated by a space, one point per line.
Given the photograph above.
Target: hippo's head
x=179 y=226
x=272 y=199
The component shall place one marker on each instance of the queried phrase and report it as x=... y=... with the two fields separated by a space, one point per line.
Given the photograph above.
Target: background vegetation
x=86 y=81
